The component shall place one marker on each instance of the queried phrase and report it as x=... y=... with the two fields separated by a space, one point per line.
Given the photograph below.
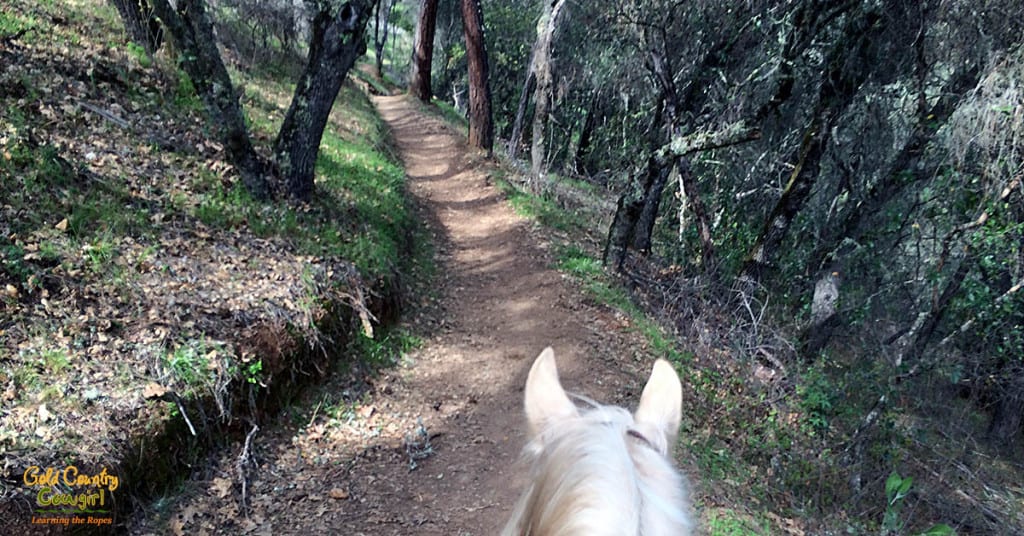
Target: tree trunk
x=674 y=123
x=844 y=74
x=631 y=204
x=423 y=53
x=380 y=32
x=579 y=154
x=542 y=95
x=1005 y=427
x=688 y=187
x=337 y=40
x=649 y=213
x=620 y=232
x=192 y=31
x=141 y=24
x=481 y=128
x=517 y=125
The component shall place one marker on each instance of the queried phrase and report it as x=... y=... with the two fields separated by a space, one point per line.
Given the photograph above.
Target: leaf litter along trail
x=431 y=446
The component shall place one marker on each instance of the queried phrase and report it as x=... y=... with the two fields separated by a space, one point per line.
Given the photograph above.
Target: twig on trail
x=184 y=415
x=316 y=411
x=8 y=40
x=245 y=462
x=109 y=116
x=357 y=301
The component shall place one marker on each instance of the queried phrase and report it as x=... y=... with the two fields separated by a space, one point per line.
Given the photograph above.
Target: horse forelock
x=590 y=476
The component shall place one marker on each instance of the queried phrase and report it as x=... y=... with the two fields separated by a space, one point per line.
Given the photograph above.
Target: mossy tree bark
x=481 y=126
x=337 y=41
x=192 y=30
x=141 y=23
x=543 y=91
x=423 y=53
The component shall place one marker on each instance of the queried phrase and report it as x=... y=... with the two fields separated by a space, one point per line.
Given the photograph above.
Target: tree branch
x=733 y=134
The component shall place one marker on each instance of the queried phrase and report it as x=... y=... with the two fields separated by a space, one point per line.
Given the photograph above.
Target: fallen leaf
x=222 y=486
x=338 y=493
x=63 y=225
x=177 y=527
x=44 y=414
x=153 y=390
x=188 y=514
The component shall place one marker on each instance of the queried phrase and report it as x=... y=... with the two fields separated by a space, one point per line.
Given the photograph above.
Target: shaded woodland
x=819 y=202
x=826 y=195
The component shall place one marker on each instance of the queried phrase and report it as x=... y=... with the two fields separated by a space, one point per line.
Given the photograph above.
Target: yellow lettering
x=111 y=481
x=70 y=472
x=31 y=475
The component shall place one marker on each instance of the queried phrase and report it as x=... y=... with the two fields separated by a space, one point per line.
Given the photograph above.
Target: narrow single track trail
x=431 y=445
x=503 y=302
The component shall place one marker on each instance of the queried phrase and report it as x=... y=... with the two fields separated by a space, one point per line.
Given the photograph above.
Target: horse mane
x=600 y=473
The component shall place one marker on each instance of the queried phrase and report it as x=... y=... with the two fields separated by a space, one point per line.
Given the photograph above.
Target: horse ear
x=544 y=398
x=661 y=402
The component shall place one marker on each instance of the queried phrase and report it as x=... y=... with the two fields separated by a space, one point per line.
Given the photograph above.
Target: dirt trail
x=503 y=304
x=498 y=303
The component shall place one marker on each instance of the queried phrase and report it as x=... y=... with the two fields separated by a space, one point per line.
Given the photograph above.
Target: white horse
x=601 y=471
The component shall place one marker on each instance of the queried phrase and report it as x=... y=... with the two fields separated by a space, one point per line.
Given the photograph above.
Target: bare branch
x=733 y=134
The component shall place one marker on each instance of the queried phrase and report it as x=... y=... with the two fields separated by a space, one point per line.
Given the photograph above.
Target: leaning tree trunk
x=658 y=179
x=542 y=94
x=380 y=32
x=423 y=54
x=844 y=75
x=631 y=204
x=141 y=24
x=337 y=40
x=192 y=30
x=517 y=125
x=481 y=127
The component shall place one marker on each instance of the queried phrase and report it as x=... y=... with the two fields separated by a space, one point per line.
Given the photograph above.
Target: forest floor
x=431 y=446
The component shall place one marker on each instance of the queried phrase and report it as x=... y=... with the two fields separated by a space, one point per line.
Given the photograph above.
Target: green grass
x=55 y=360
x=449 y=113
x=725 y=522
x=602 y=288
x=387 y=348
x=543 y=209
x=193 y=364
x=12 y=23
